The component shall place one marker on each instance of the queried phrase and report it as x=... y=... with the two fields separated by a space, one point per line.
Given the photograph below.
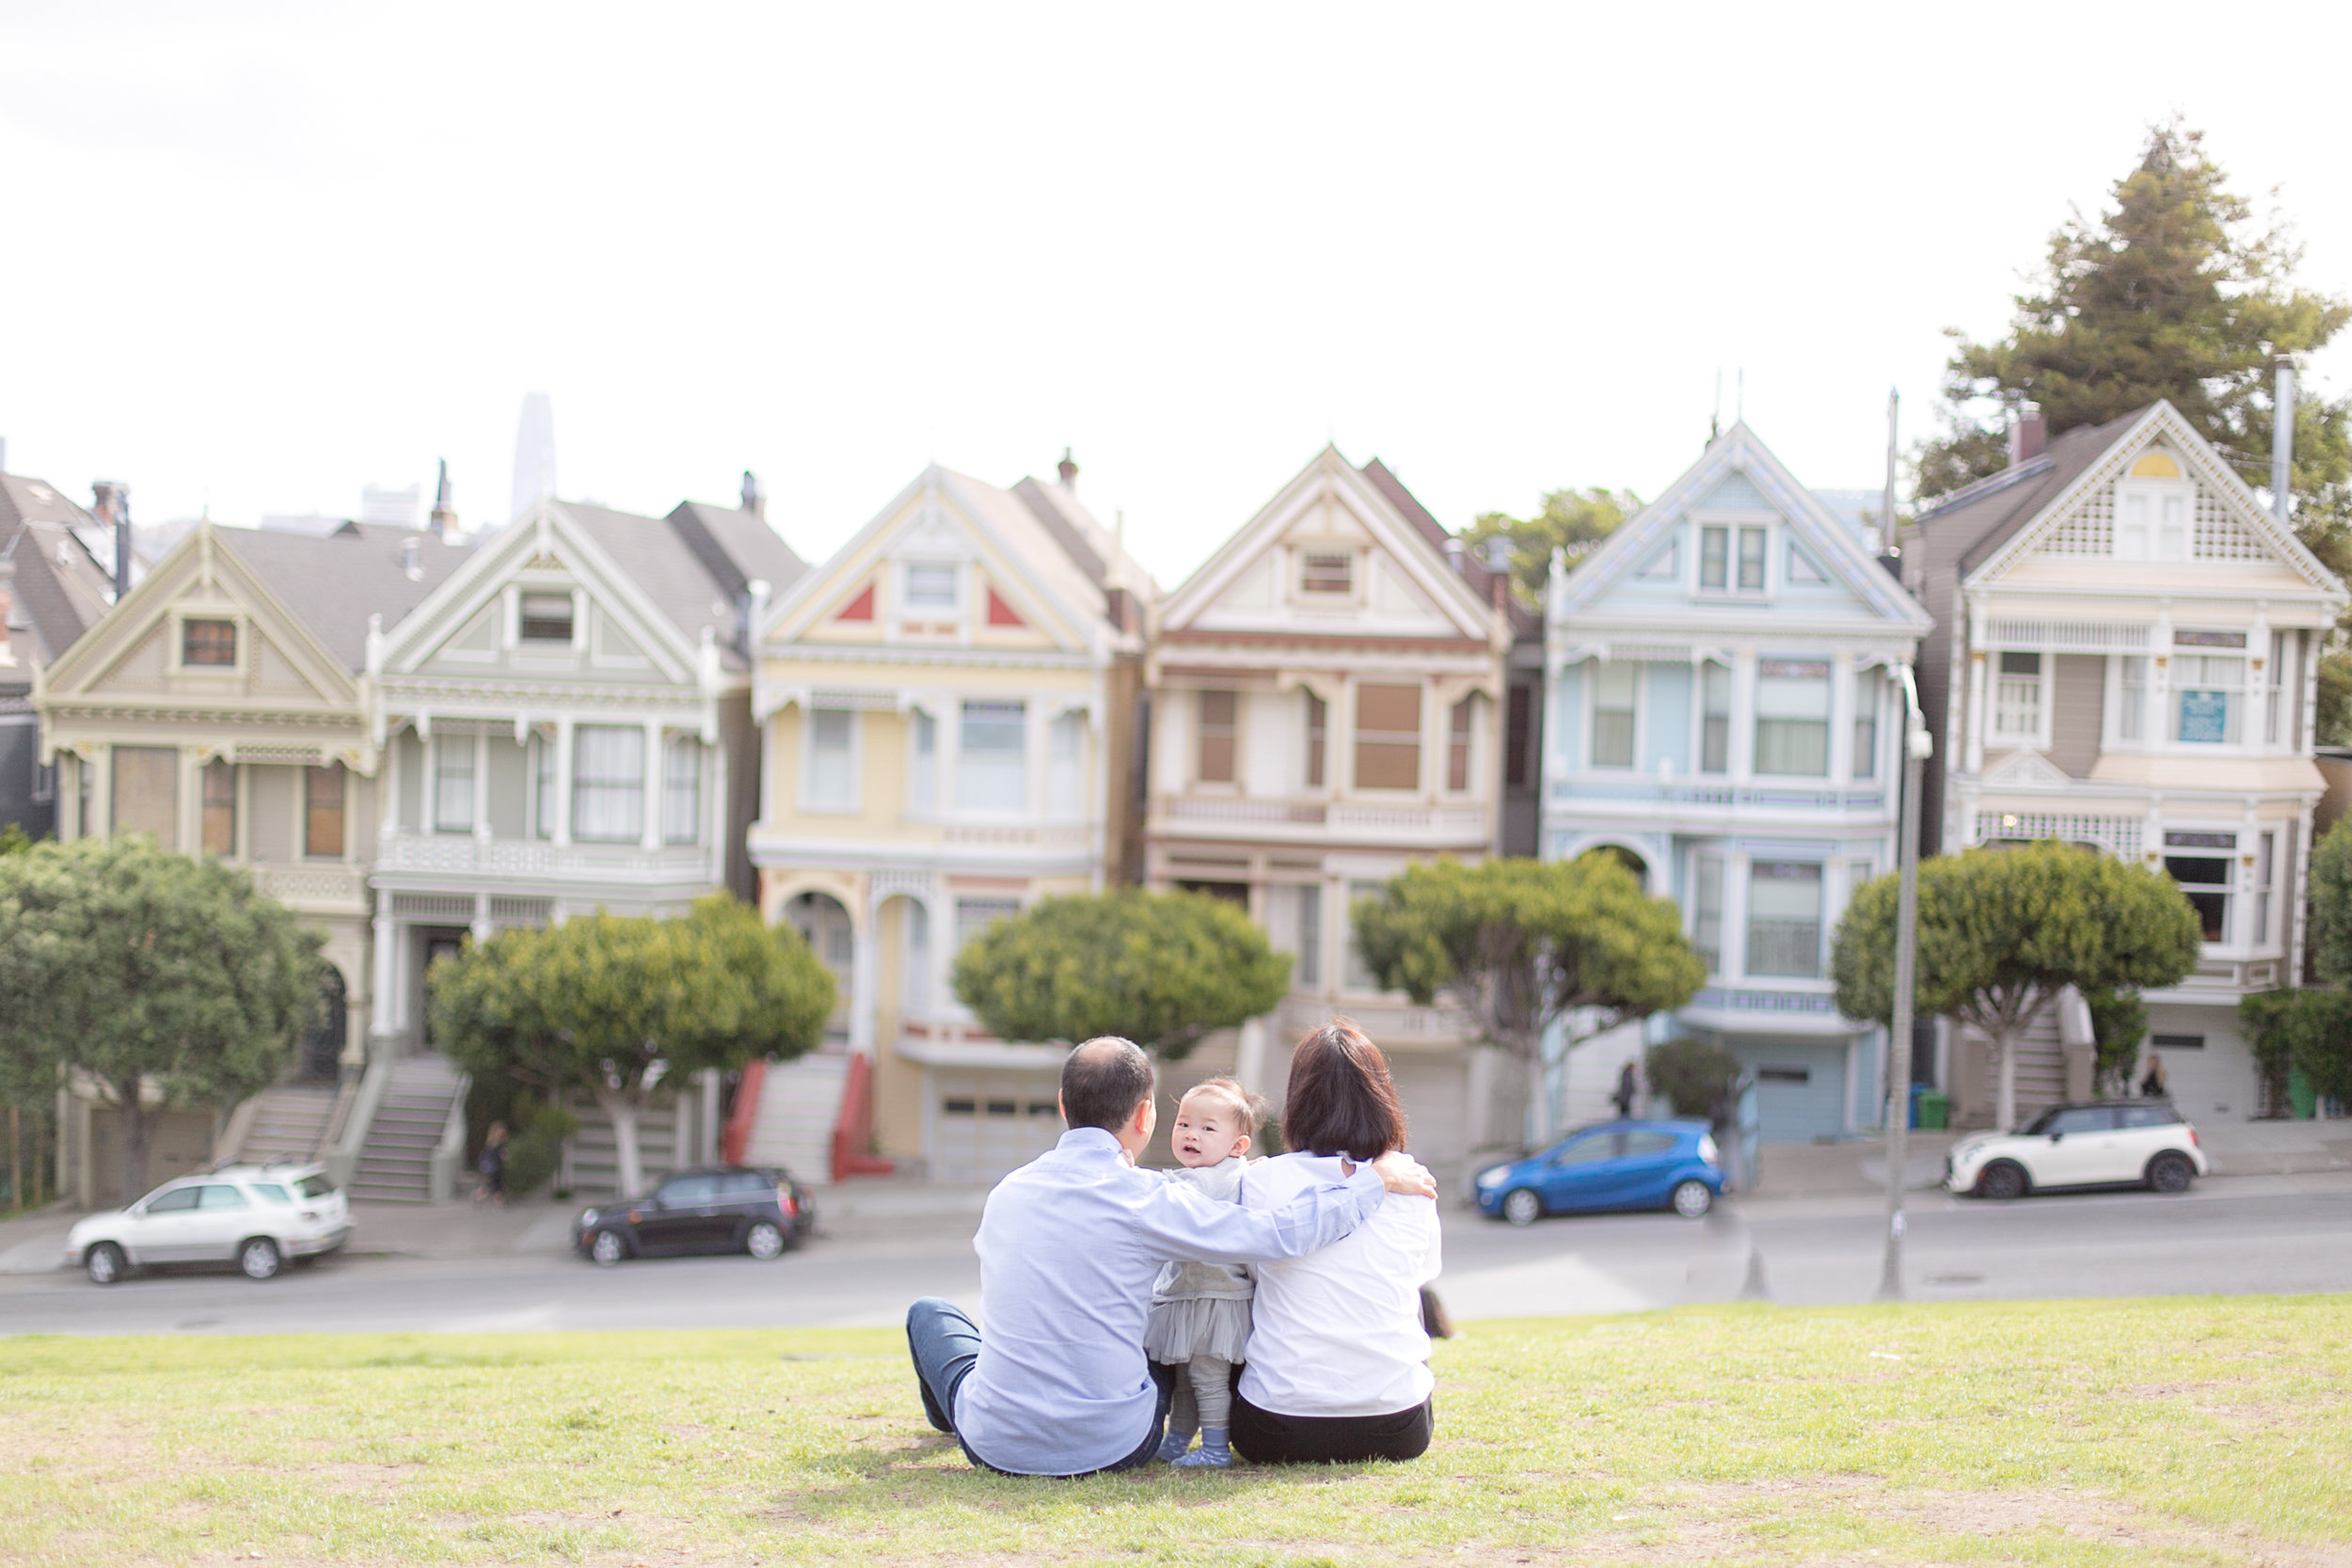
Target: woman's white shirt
x=1338 y=1332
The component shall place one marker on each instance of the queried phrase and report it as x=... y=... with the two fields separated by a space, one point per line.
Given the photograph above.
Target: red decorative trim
x=853 y=1133
x=1000 y=613
x=861 y=607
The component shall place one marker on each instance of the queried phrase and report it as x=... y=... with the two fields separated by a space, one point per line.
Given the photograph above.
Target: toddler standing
x=1200 y=1311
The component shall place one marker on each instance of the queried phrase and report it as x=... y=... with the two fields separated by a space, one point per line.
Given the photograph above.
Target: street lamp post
x=1918 y=745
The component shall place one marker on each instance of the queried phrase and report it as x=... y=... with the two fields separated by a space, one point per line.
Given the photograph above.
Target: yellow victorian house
x=945 y=707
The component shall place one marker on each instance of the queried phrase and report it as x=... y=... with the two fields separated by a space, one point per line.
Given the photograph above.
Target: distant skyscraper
x=535 y=452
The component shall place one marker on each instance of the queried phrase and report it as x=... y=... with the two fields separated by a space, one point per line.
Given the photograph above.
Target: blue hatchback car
x=1619 y=1165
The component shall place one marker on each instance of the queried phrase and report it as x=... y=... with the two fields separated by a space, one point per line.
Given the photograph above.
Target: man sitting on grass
x=1069 y=1244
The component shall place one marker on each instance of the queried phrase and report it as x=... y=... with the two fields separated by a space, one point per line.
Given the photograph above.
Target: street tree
x=1161 y=969
x=1521 y=944
x=626 y=1006
x=1572 y=522
x=168 y=980
x=2003 y=931
x=2331 y=905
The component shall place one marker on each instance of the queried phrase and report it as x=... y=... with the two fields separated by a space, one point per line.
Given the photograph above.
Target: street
x=2238 y=1234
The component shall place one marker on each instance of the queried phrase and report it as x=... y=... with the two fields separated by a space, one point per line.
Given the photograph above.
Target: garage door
x=1799 y=1088
x=1435 y=1092
x=984 y=1124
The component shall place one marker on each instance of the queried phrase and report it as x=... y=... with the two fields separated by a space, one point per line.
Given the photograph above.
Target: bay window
x=1214 y=739
x=992 y=765
x=832 y=777
x=1458 y=746
x=1707 y=909
x=147 y=792
x=2131 y=719
x=2199 y=864
x=1868 y=692
x=323 y=811
x=1388 y=737
x=220 y=807
x=1062 y=776
x=1615 y=689
x=1792 y=717
x=2017 y=698
x=1714 y=718
x=608 y=784
x=453 y=782
x=1785 y=919
x=681 y=789
x=2208 y=691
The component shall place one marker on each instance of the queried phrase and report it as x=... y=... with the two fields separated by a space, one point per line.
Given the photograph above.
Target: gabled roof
x=332 y=583
x=1524 y=622
x=737 y=547
x=1092 y=548
x=1992 y=510
x=60 y=588
x=1739 y=450
x=1405 y=529
x=1033 y=553
x=2094 y=456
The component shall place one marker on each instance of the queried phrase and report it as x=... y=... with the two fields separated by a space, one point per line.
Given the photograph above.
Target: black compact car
x=754 y=1209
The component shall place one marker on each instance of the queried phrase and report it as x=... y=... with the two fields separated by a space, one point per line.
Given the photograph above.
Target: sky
x=258 y=256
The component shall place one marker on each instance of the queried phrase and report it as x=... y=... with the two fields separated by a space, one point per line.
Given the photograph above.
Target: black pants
x=1263 y=1437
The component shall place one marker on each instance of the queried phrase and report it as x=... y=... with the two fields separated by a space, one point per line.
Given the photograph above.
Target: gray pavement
x=459 y=1268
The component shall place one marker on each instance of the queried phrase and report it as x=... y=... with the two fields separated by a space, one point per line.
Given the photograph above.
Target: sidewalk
x=2234 y=1148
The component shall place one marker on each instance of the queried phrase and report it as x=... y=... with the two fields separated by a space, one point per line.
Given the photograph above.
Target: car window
x=221 y=1195
x=270 y=1192
x=315 y=1186
x=1592 y=1149
x=682 y=1190
x=2084 y=1118
x=1649 y=1144
x=746 y=1183
x=2151 y=1116
x=178 y=1201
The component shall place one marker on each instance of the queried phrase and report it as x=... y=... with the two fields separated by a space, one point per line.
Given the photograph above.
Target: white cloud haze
x=260 y=255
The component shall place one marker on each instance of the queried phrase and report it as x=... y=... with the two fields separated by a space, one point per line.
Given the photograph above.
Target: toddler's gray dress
x=1202 y=1308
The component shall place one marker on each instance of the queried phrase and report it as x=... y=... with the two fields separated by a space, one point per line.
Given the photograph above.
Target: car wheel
x=260 y=1259
x=105 y=1263
x=765 y=1240
x=1522 y=1208
x=2002 y=1182
x=2170 y=1172
x=1691 y=1200
x=607 y=1247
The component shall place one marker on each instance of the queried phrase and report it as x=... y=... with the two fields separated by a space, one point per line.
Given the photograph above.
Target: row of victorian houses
x=981 y=700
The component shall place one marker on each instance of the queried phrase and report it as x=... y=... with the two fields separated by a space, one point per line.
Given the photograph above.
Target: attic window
x=1327 y=572
x=931 y=587
x=546 y=618
x=208 y=642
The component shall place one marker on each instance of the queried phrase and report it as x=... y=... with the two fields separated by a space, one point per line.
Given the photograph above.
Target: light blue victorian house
x=1724 y=716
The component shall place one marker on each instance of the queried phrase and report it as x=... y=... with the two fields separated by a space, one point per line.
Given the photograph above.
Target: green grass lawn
x=2201 y=1431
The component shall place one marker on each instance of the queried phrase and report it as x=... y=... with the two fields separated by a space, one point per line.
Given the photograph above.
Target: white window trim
x=1358 y=572
x=182 y=615
x=808 y=804
x=439 y=741
x=2157 y=490
x=1995 y=739
x=1034 y=758
x=1592 y=715
x=1234 y=785
x=1733 y=522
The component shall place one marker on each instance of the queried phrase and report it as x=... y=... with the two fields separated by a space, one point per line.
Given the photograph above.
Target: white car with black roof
x=258 y=1217
x=2108 y=1143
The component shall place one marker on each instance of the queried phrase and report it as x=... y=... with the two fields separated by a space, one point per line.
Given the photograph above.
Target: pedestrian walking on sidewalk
x=1628 y=1086
x=492 y=1165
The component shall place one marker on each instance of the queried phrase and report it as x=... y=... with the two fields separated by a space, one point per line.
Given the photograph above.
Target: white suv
x=2111 y=1144
x=255 y=1216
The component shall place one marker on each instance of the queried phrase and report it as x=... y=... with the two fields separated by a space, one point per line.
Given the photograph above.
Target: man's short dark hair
x=1103 y=1082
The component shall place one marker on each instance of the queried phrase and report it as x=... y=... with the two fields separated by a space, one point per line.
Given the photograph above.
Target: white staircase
x=396 y=1161
x=799 y=1103
x=289 y=1123
x=591 y=1168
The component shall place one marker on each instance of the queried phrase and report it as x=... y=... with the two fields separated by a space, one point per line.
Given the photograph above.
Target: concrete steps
x=289 y=1123
x=799 y=1103
x=591 y=1168
x=396 y=1161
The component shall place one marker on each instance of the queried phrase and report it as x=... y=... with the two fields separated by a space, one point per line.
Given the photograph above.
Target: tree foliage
x=1571 y=521
x=2003 y=931
x=2118 y=1022
x=624 y=1007
x=147 y=970
x=1161 y=969
x=1698 y=1077
x=2301 y=1031
x=2331 y=905
x=2174 y=294
x=1521 y=943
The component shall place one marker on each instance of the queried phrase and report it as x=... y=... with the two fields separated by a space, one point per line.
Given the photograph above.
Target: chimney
x=2028 y=434
x=444 y=518
x=1498 y=568
x=2282 y=444
x=1453 y=556
x=113 y=507
x=410 y=565
x=755 y=498
x=1067 y=471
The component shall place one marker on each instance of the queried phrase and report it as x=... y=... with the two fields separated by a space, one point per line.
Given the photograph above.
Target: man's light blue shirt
x=1069 y=1246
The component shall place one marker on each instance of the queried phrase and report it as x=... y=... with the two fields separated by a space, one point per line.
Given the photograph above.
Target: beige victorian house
x=222 y=706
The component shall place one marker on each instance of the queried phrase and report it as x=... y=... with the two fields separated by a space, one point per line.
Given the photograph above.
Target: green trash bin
x=1935 y=1111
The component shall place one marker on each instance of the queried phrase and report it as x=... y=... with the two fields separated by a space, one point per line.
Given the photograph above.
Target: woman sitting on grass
x=1338 y=1362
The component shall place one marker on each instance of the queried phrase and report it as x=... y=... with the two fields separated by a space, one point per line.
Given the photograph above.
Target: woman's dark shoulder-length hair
x=1341 y=1100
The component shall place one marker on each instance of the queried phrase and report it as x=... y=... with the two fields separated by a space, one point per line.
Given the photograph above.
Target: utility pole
x=1917 y=745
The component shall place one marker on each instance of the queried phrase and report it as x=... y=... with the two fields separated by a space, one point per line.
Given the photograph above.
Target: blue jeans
x=945 y=1343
